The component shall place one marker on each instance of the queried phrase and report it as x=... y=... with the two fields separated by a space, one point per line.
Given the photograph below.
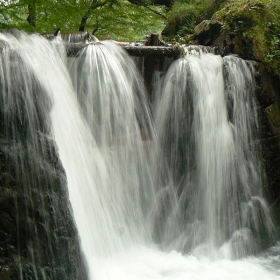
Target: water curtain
x=152 y=193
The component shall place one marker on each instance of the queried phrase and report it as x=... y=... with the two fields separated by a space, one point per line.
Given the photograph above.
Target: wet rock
x=38 y=238
x=207 y=32
x=228 y=39
x=269 y=100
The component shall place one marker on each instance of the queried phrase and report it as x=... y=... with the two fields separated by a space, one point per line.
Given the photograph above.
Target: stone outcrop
x=38 y=238
x=215 y=33
x=207 y=31
x=269 y=99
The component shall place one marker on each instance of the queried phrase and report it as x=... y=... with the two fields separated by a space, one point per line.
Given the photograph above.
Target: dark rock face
x=38 y=238
x=269 y=99
x=37 y=232
x=207 y=32
x=227 y=41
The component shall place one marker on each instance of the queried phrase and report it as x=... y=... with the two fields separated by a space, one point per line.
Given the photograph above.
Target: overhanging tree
x=116 y=19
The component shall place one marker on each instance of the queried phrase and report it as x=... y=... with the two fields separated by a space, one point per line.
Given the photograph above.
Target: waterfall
x=207 y=124
x=175 y=193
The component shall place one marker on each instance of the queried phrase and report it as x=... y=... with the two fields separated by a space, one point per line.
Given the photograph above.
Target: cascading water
x=176 y=200
x=206 y=121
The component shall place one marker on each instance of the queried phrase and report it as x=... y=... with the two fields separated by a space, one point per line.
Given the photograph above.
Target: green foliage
x=114 y=19
x=132 y=25
x=272 y=56
x=11 y=14
x=255 y=22
x=213 y=7
x=184 y=15
x=259 y=22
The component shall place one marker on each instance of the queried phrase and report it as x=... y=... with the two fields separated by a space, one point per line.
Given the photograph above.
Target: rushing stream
x=169 y=193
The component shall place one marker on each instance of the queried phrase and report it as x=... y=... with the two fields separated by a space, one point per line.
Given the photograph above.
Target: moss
x=254 y=24
x=258 y=22
x=212 y=7
x=273 y=113
x=183 y=17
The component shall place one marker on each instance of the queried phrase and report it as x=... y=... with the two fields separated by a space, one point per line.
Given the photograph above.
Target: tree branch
x=32 y=13
x=88 y=13
x=156 y=12
x=147 y=4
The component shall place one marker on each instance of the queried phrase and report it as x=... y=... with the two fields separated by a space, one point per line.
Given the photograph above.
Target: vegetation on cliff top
x=258 y=21
x=255 y=22
x=183 y=16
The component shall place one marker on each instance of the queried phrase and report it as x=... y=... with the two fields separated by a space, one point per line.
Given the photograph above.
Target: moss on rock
x=250 y=29
x=255 y=25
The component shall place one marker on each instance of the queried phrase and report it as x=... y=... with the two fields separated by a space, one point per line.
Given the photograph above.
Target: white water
x=133 y=204
x=206 y=121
